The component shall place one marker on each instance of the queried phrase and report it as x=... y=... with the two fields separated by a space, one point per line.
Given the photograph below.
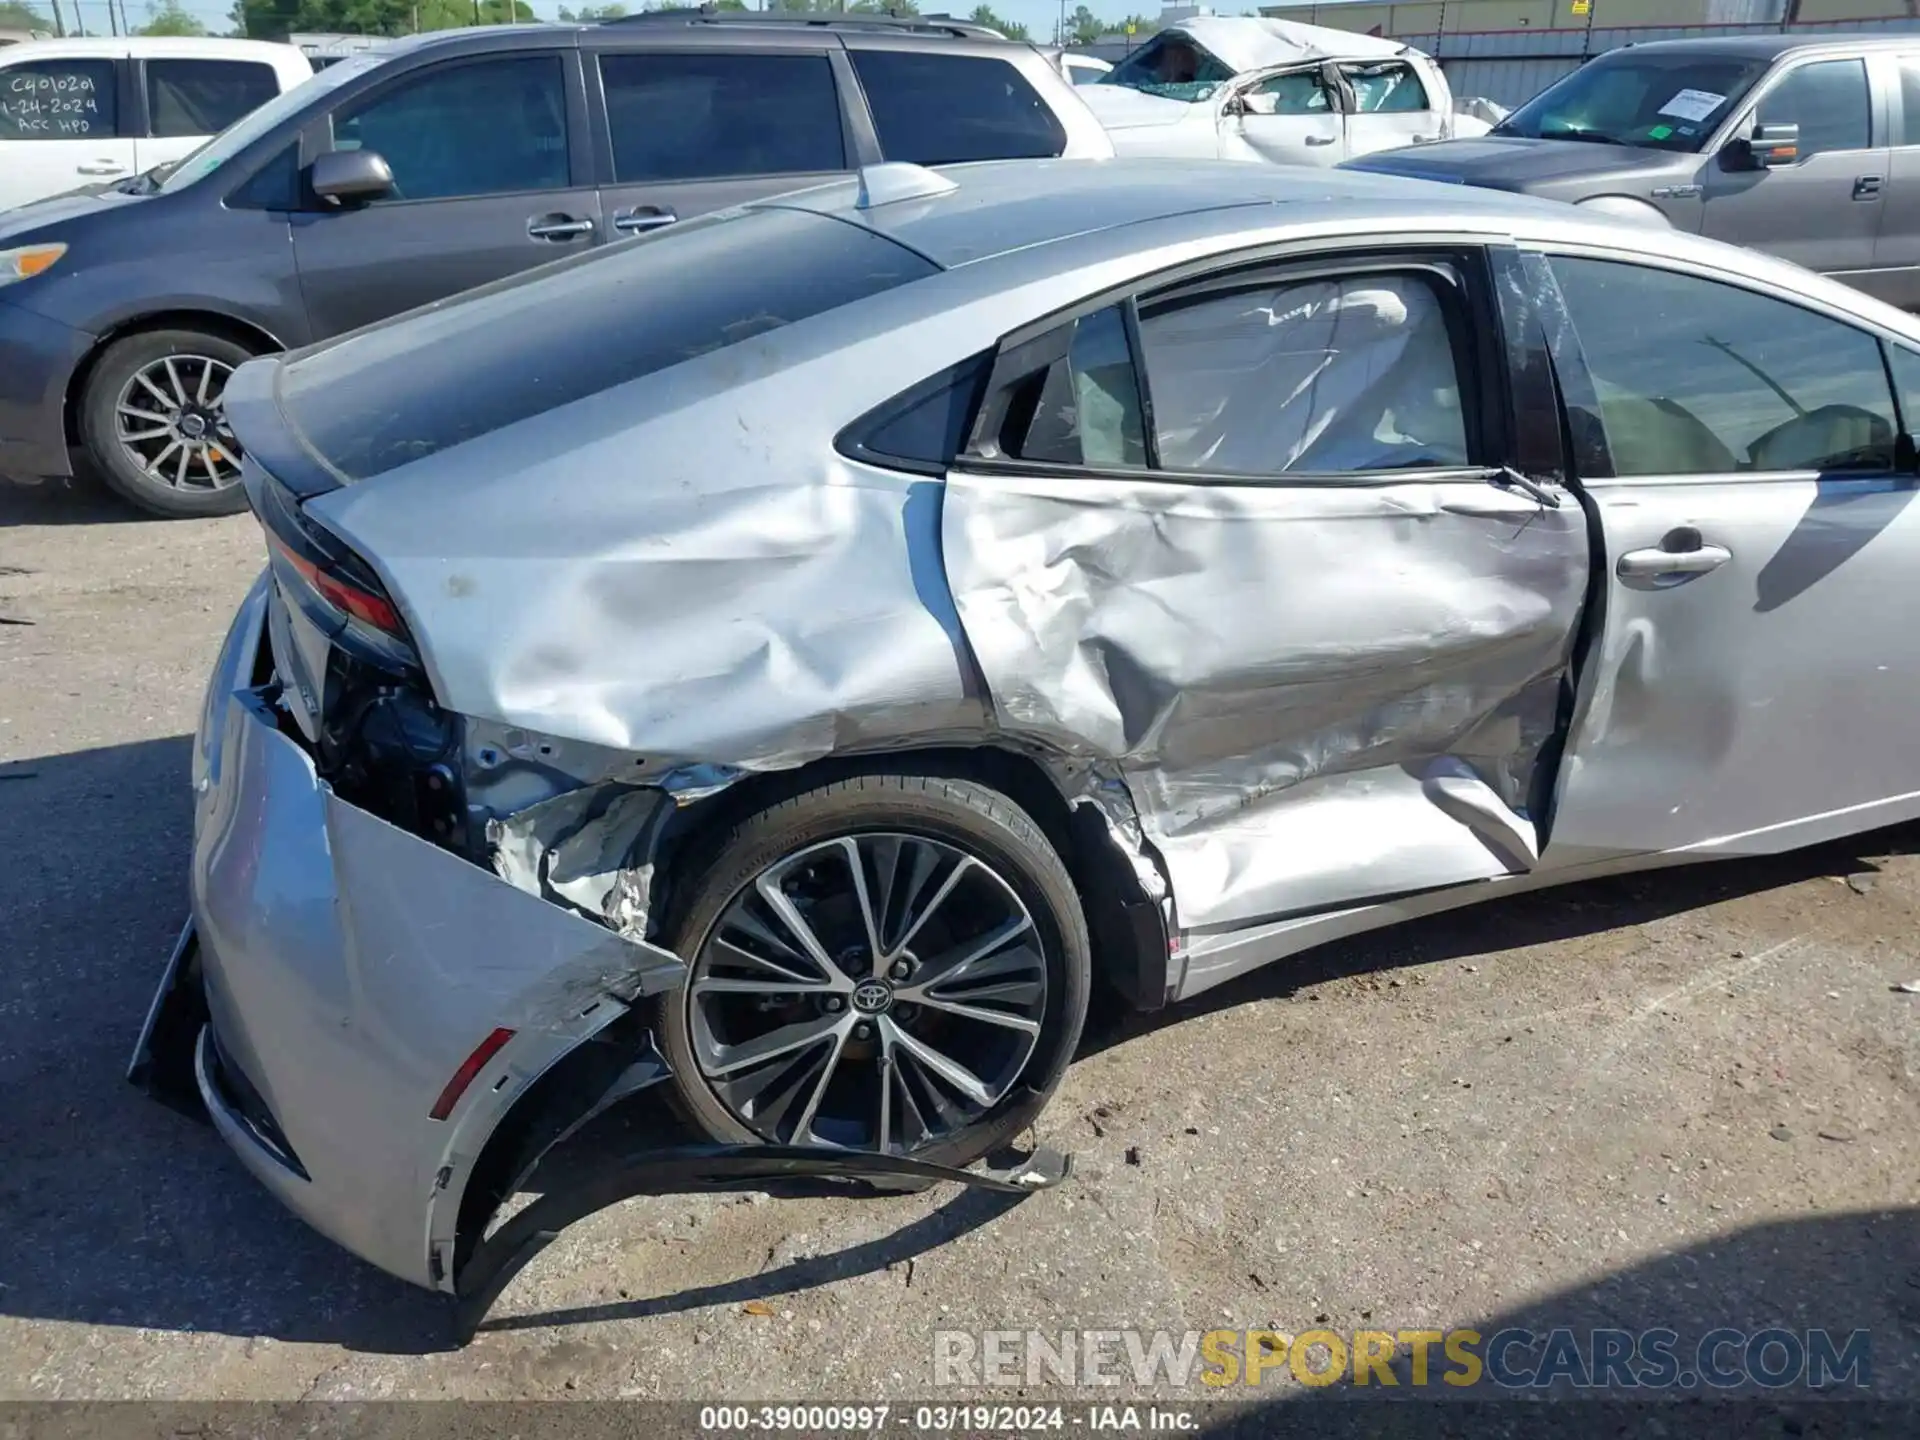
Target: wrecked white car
x=1276 y=90
x=780 y=666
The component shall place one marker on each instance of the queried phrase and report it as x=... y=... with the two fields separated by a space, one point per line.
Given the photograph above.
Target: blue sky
x=1038 y=15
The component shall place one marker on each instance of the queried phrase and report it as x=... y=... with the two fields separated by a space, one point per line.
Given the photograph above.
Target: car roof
x=1002 y=206
x=1768 y=47
x=727 y=29
x=105 y=47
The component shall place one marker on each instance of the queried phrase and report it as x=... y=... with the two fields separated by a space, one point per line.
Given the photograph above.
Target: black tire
x=100 y=434
x=963 y=814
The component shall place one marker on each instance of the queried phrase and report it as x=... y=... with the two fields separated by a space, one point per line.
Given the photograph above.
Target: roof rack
x=900 y=23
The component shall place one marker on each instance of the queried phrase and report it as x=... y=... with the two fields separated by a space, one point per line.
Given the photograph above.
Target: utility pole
x=476 y=12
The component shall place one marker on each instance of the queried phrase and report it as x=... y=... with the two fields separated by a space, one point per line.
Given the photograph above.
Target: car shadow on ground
x=116 y=1211
x=1539 y=917
x=80 y=501
x=1832 y=1289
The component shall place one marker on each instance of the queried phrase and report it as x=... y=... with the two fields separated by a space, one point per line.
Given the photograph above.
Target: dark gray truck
x=1807 y=148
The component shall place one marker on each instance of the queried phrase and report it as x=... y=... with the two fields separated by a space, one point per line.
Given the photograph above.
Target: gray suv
x=399 y=177
x=1809 y=149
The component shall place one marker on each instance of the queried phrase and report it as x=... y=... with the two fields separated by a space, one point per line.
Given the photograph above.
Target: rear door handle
x=1866 y=187
x=1672 y=567
x=1320 y=139
x=558 y=227
x=642 y=217
x=101 y=167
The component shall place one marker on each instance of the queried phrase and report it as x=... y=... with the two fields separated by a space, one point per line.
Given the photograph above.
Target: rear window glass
x=203 y=97
x=412 y=387
x=942 y=109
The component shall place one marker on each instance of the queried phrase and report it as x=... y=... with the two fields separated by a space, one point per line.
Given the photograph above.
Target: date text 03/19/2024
x=942 y=1419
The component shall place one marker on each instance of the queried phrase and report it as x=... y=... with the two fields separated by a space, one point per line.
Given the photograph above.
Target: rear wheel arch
x=1130 y=949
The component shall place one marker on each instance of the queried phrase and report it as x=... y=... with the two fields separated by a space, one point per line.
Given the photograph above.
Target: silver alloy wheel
x=169 y=420
x=878 y=991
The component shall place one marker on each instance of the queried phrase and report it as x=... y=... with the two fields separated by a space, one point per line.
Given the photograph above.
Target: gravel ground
x=1683 y=1100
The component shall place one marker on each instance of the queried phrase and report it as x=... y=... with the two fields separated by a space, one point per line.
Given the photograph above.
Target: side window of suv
x=203 y=97
x=701 y=117
x=488 y=128
x=1827 y=100
x=57 y=100
x=932 y=109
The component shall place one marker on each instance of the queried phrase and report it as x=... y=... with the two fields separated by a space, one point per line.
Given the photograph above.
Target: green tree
x=1084 y=27
x=587 y=14
x=1012 y=29
x=15 y=15
x=275 y=19
x=165 y=17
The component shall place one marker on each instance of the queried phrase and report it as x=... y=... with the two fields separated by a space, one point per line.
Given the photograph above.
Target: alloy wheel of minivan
x=155 y=426
x=896 y=964
x=168 y=417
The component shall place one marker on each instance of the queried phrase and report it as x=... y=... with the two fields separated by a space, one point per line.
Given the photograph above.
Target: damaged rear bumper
x=338 y=973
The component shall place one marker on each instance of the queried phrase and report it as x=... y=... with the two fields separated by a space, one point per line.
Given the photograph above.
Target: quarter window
x=1827 y=100
x=697 y=117
x=1084 y=409
x=489 y=128
x=1320 y=376
x=939 y=109
x=57 y=100
x=203 y=97
x=1694 y=377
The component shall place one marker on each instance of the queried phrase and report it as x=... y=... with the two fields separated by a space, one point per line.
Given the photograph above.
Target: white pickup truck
x=1273 y=90
x=84 y=112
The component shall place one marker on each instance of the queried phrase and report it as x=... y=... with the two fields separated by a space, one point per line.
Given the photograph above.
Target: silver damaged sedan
x=777 y=668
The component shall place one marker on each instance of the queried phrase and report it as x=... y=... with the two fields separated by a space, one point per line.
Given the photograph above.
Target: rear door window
x=57 y=100
x=492 y=127
x=679 y=116
x=932 y=109
x=1312 y=376
x=203 y=97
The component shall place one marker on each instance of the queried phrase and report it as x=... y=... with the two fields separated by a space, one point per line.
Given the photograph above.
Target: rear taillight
x=333 y=587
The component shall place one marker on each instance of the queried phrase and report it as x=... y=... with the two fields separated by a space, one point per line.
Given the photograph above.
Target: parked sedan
x=445 y=161
x=955 y=591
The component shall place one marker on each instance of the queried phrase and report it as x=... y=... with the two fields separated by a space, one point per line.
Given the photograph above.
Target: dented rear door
x=1246 y=540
